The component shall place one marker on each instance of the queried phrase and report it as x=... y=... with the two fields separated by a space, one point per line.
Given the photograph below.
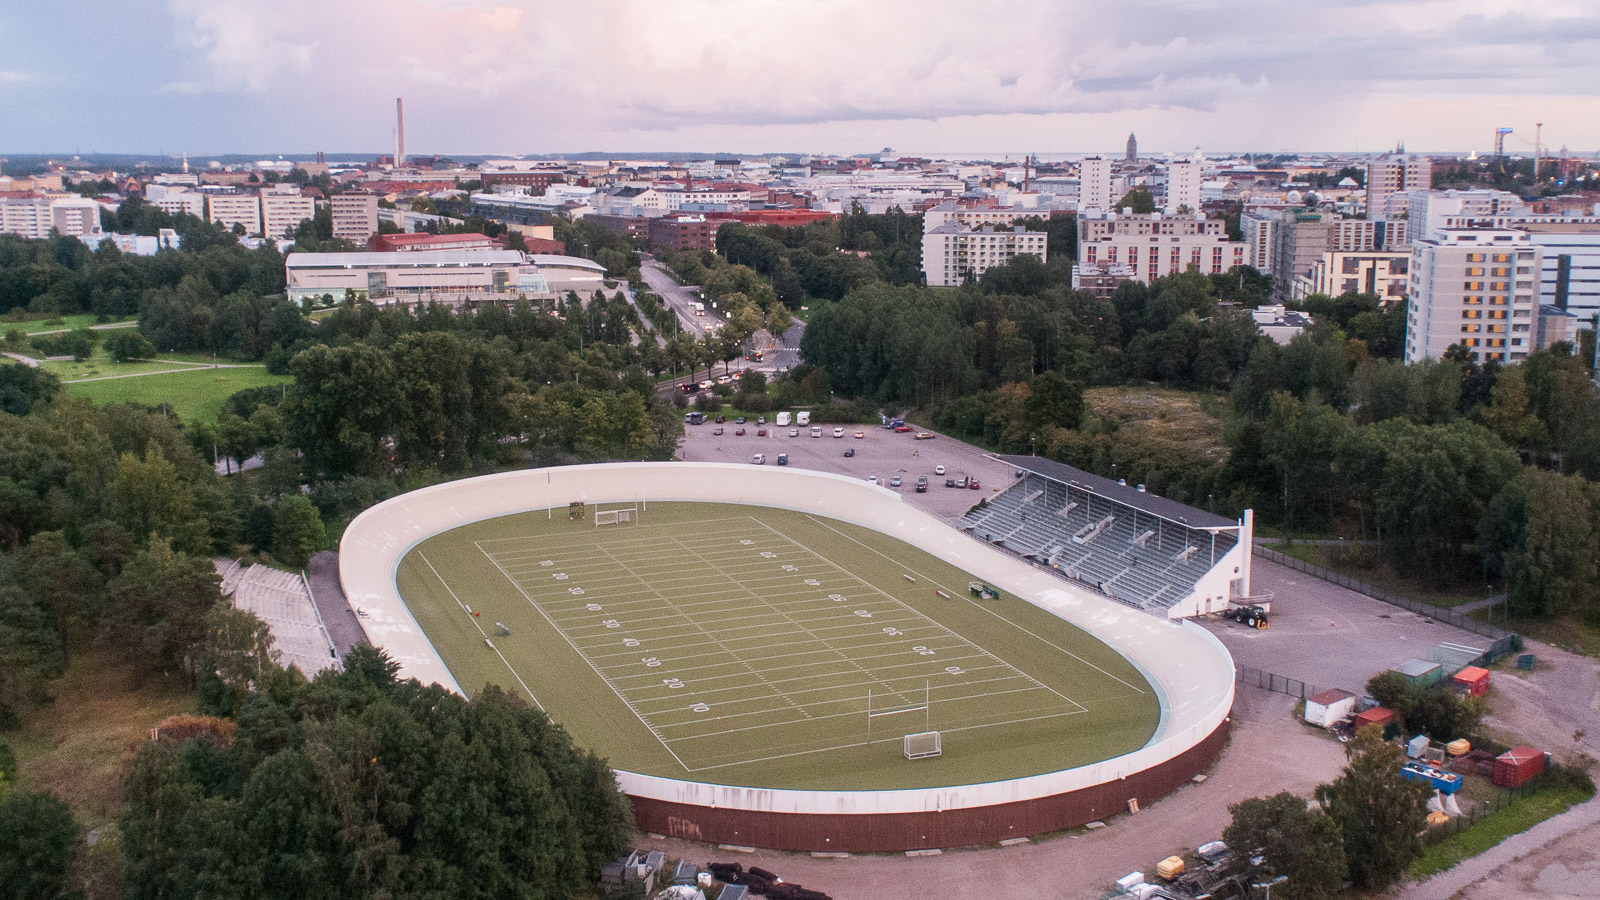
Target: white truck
x=699 y=308
x=802 y=418
x=783 y=418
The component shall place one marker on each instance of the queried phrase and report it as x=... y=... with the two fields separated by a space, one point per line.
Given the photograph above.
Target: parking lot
x=878 y=451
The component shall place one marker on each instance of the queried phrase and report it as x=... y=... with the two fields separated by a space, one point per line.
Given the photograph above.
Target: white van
x=783 y=418
x=759 y=459
x=802 y=418
x=838 y=432
x=816 y=431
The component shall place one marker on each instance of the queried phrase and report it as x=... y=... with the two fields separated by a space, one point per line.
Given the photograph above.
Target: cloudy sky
x=824 y=76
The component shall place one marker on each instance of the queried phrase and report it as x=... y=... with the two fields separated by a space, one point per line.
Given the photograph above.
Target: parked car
x=816 y=431
x=738 y=431
x=721 y=419
x=759 y=459
x=850 y=452
x=949 y=482
x=739 y=421
x=872 y=479
x=761 y=420
x=761 y=432
x=895 y=481
x=902 y=429
x=860 y=435
x=794 y=432
x=922 y=484
x=938 y=470
x=924 y=435
x=783 y=459
x=973 y=484
x=717 y=430
x=838 y=432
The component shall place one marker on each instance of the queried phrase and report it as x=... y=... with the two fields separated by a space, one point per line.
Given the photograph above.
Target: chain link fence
x=1278 y=684
x=1504 y=642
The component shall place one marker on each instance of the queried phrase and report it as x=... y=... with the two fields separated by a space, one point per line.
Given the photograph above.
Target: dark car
x=739 y=421
x=949 y=482
x=922 y=484
x=850 y=452
x=720 y=420
x=738 y=431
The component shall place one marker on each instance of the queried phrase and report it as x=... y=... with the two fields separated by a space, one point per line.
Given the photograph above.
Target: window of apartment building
x=1472 y=285
x=1475 y=270
x=1475 y=257
x=1523 y=327
x=1501 y=257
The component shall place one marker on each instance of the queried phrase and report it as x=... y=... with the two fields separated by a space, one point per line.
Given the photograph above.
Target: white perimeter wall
x=1191 y=670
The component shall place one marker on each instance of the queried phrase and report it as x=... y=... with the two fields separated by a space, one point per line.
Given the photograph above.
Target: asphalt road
x=677 y=297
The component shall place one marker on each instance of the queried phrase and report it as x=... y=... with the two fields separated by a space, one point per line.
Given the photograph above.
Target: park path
x=28 y=361
x=190 y=367
x=106 y=327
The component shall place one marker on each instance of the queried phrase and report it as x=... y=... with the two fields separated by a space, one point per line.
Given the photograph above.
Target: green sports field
x=745 y=645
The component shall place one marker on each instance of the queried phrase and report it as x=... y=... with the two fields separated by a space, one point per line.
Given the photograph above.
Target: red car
x=738 y=431
x=973 y=484
x=761 y=432
x=902 y=429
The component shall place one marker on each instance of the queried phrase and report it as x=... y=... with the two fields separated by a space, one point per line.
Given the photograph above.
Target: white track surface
x=1191 y=670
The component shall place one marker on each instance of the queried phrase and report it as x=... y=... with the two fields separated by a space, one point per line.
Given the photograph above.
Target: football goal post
x=923 y=745
x=925 y=707
x=615 y=513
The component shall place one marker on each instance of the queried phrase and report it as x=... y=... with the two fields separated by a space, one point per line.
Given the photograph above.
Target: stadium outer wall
x=1191 y=671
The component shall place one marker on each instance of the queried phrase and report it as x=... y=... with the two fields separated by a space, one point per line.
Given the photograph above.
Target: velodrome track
x=1190 y=669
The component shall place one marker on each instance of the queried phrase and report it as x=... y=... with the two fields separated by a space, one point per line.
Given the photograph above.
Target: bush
x=1436 y=710
x=38 y=841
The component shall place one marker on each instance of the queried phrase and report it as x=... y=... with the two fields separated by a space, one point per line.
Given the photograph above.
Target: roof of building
x=557 y=261
x=1125 y=494
x=411 y=240
x=1331 y=696
x=403 y=258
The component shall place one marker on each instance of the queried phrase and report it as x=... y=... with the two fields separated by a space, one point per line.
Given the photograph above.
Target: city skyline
x=925 y=78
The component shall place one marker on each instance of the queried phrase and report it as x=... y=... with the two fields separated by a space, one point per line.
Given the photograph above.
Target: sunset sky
x=820 y=76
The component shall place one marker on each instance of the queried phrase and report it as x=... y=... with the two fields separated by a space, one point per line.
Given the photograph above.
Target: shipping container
x=1473 y=680
x=1421 y=672
x=1378 y=715
x=1330 y=707
x=1515 y=766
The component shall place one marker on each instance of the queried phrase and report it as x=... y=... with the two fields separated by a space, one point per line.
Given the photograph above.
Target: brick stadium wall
x=893 y=832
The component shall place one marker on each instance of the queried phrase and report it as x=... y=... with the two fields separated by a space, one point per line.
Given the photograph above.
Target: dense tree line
x=359 y=784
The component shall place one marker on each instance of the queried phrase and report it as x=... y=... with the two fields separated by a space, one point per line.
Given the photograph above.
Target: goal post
x=615 y=513
x=923 y=745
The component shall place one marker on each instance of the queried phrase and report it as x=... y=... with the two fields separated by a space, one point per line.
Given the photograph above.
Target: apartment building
x=1094 y=192
x=283 y=209
x=230 y=210
x=1257 y=228
x=952 y=252
x=1429 y=211
x=681 y=232
x=175 y=199
x=1392 y=174
x=1301 y=239
x=1183 y=187
x=1385 y=273
x=355 y=216
x=952 y=211
x=1101 y=281
x=1477 y=287
x=1569 y=273
x=33 y=215
x=1157 y=245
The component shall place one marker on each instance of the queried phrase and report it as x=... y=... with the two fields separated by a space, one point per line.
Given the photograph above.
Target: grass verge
x=1516 y=817
x=195 y=395
x=1364 y=563
x=52 y=323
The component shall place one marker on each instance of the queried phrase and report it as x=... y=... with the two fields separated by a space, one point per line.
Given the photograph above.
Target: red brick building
x=538 y=181
x=682 y=233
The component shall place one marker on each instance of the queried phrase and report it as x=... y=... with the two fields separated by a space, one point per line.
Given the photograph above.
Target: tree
x=128 y=344
x=1380 y=814
x=1539 y=533
x=38 y=843
x=297 y=530
x=1138 y=200
x=157 y=610
x=1292 y=840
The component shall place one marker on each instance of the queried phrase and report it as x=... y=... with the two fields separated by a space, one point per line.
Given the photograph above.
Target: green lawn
x=195 y=395
x=51 y=323
x=99 y=364
x=738 y=645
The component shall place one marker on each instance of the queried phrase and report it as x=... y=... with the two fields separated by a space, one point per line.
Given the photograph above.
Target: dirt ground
x=1568 y=867
x=1268 y=752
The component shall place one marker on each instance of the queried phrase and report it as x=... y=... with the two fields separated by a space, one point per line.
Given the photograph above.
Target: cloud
x=17 y=77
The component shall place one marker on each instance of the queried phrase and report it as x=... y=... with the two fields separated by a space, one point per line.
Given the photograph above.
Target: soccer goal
x=923 y=745
x=617 y=514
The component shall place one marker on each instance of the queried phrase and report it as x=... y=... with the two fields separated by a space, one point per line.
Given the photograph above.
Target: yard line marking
x=642 y=720
x=984 y=608
x=474 y=620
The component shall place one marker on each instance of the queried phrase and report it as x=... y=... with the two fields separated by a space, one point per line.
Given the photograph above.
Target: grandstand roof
x=1125 y=494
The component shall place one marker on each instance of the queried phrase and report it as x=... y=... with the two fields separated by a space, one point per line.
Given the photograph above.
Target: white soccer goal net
x=616 y=515
x=923 y=745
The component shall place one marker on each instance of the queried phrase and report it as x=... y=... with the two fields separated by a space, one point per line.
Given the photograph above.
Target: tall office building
x=1477 y=287
x=1095 y=180
x=1391 y=174
x=1133 y=149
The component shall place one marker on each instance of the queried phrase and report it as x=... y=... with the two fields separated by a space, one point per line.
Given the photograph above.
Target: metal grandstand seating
x=283 y=601
x=1130 y=555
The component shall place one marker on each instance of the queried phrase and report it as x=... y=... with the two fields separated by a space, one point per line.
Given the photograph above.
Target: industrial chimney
x=400 y=132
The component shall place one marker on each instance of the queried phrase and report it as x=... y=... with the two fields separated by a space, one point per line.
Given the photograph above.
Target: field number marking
x=559 y=576
x=700 y=707
x=592 y=607
x=611 y=623
x=863 y=614
x=955 y=670
x=922 y=651
x=891 y=631
x=813 y=582
x=547 y=562
x=630 y=642
x=651 y=661
x=673 y=683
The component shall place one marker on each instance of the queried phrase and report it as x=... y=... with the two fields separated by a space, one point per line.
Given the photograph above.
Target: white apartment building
x=235 y=209
x=355 y=216
x=1157 y=245
x=734 y=199
x=1094 y=192
x=1384 y=273
x=950 y=212
x=951 y=253
x=1183 y=187
x=1477 y=287
x=632 y=200
x=34 y=215
x=175 y=200
x=1429 y=211
x=1569 y=274
x=283 y=210
x=1393 y=174
x=1257 y=230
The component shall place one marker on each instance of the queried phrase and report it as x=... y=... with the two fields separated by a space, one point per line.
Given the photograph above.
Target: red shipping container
x=1377 y=715
x=1473 y=680
x=1515 y=766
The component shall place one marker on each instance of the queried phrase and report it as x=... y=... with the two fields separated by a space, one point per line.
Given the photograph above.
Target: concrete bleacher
x=283 y=601
x=1126 y=553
